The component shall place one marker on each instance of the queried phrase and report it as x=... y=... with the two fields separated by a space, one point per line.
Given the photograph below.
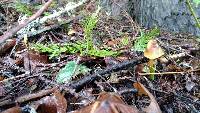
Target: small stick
x=79 y=84
x=17 y=77
x=39 y=94
x=169 y=73
x=28 y=97
x=12 y=31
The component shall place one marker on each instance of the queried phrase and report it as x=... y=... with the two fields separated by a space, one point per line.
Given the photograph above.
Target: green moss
x=28 y=8
x=23 y=8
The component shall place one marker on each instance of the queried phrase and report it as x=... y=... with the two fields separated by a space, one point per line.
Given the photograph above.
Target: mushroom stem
x=153 y=51
x=151 y=68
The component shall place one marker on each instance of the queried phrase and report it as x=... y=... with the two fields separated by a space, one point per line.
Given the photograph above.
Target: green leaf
x=71 y=69
x=196 y=2
x=141 y=42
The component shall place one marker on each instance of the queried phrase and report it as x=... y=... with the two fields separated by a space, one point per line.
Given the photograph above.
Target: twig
x=169 y=73
x=35 y=95
x=128 y=90
x=17 y=77
x=77 y=85
x=11 y=32
x=28 y=97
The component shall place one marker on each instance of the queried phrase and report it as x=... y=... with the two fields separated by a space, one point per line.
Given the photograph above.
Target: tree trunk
x=171 y=15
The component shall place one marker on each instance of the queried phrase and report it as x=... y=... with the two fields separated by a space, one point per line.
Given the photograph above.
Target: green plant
x=85 y=47
x=141 y=43
x=55 y=50
x=23 y=8
x=71 y=69
x=52 y=49
x=89 y=24
x=197 y=2
x=125 y=41
x=191 y=9
x=102 y=53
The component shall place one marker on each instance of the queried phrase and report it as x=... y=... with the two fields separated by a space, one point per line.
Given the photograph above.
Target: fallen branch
x=28 y=97
x=51 y=27
x=14 y=30
x=69 y=7
x=35 y=95
x=18 y=77
x=77 y=85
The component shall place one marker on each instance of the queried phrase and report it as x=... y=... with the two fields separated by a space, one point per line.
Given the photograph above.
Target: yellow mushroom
x=153 y=51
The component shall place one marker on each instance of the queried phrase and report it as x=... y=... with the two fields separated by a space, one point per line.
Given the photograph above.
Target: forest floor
x=74 y=62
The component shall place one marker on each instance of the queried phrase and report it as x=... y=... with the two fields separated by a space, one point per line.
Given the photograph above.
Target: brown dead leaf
x=153 y=107
x=13 y=110
x=52 y=104
x=34 y=59
x=138 y=69
x=112 y=42
x=7 y=45
x=1 y=78
x=108 y=103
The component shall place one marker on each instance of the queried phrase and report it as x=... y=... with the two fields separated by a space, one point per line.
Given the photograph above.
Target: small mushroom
x=153 y=51
x=71 y=32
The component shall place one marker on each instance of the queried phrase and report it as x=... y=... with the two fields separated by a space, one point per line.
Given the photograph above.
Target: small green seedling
x=89 y=23
x=141 y=42
x=70 y=70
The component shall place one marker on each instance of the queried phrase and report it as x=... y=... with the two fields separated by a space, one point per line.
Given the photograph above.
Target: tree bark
x=171 y=15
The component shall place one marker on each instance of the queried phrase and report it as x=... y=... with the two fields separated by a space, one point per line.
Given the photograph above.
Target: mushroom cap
x=153 y=50
x=71 y=32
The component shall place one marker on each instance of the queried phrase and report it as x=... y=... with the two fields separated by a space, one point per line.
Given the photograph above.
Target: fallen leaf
x=13 y=110
x=34 y=59
x=7 y=46
x=52 y=104
x=153 y=107
x=1 y=78
x=70 y=69
x=108 y=103
x=138 y=69
x=113 y=42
